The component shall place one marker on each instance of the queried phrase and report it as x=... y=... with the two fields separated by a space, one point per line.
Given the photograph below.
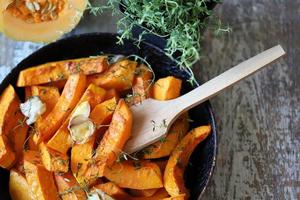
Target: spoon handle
x=227 y=79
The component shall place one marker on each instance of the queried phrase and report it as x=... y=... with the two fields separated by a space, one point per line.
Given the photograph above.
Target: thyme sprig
x=180 y=22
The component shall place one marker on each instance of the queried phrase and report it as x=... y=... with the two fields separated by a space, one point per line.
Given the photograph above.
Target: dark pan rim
x=16 y=70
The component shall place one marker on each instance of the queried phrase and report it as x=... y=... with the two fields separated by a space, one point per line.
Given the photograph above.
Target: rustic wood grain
x=259 y=119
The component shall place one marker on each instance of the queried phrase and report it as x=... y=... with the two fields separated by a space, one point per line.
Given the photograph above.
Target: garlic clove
x=81 y=132
x=33 y=108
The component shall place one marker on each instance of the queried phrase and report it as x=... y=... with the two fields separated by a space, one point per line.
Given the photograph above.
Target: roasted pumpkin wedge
x=55 y=72
x=119 y=76
x=40 y=180
x=112 y=142
x=19 y=189
x=141 y=84
x=40 y=21
x=68 y=188
x=12 y=121
x=142 y=193
x=166 y=88
x=165 y=145
x=61 y=140
x=160 y=194
x=173 y=176
x=139 y=175
x=179 y=197
x=82 y=153
x=7 y=154
x=52 y=160
x=71 y=94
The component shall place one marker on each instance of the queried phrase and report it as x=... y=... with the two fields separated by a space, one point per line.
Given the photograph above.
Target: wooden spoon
x=153 y=118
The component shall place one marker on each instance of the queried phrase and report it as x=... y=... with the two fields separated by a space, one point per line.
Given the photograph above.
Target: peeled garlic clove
x=33 y=108
x=81 y=132
x=83 y=109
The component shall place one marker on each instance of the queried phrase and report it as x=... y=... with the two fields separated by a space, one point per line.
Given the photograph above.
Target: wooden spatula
x=152 y=118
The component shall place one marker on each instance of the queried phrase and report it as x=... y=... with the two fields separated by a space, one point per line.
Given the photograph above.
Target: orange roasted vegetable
x=31 y=144
x=111 y=93
x=143 y=193
x=173 y=176
x=52 y=160
x=7 y=154
x=166 y=88
x=160 y=194
x=112 y=190
x=12 y=124
x=119 y=76
x=165 y=146
x=19 y=189
x=139 y=175
x=61 y=70
x=48 y=95
x=112 y=142
x=40 y=180
x=82 y=153
x=68 y=188
x=141 y=84
x=179 y=197
x=61 y=141
x=71 y=94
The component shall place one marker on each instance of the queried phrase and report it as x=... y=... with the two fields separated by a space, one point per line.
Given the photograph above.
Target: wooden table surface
x=259 y=119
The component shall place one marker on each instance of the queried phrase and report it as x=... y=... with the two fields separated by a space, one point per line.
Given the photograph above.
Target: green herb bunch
x=181 y=22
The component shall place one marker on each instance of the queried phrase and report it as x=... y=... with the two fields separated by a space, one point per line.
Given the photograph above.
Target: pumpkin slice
x=40 y=180
x=141 y=84
x=82 y=153
x=179 y=197
x=12 y=121
x=119 y=76
x=165 y=145
x=142 y=193
x=160 y=194
x=42 y=21
x=52 y=160
x=7 y=154
x=19 y=189
x=70 y=96
x=166 y=88
x=173 y=176
x=68 y=188
x=56 y=72
x=112 y=142
x=139 y=175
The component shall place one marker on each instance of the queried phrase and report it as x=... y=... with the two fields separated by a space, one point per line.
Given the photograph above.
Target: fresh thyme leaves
x=180 y=22
x=70 y=190
x=125 y=156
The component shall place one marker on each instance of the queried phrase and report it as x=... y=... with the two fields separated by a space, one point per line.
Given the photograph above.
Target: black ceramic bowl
x=202 y=161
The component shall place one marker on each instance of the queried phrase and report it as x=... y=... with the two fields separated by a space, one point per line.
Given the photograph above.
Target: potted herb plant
x=174 y=25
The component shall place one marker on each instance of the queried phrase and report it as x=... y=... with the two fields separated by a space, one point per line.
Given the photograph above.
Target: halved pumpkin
x=30 y=21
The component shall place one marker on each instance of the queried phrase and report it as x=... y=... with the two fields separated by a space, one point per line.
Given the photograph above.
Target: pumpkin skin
x=46 y=31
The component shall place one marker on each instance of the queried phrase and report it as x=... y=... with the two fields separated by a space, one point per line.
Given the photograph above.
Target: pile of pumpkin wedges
x=47 y=160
